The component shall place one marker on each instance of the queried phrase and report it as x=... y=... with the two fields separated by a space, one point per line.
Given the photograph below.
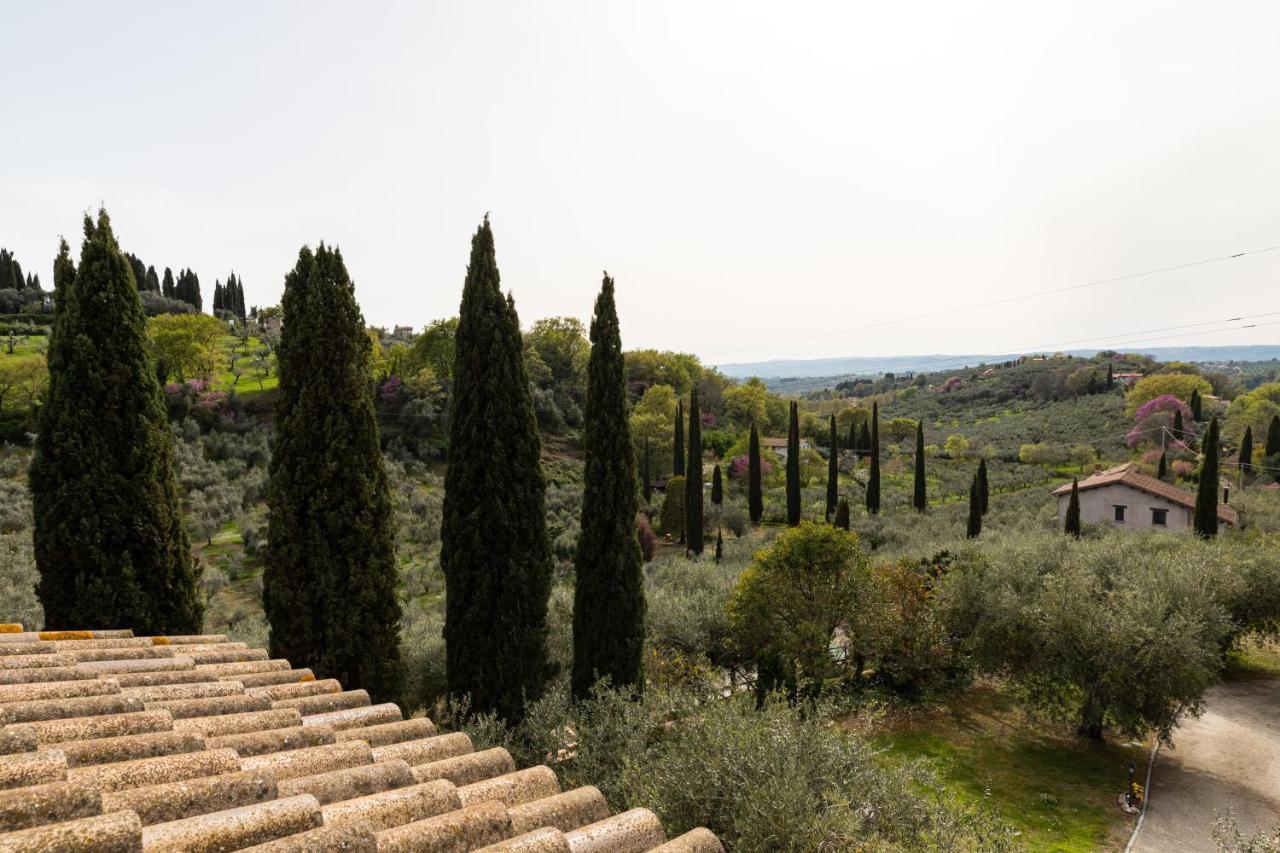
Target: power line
x=1003 y=301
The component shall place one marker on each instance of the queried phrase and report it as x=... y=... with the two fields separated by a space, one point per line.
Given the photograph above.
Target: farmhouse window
x=1119 y=513
x=1159 y=517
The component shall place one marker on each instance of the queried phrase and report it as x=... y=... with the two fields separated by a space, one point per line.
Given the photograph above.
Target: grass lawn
x=1058 y=791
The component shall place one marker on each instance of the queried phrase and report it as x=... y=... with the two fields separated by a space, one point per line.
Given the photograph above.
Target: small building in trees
x=1127 y=498
x=779 y=446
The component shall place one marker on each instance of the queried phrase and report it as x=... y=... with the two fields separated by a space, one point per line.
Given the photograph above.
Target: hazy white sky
x=751 y=173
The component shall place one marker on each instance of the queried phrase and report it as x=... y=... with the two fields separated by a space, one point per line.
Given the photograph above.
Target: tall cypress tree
x=153 y=281
x=919 y=498
x=1111 y=378
x=109 y=542
x=833 y=471
x=329 y=588
x=1162 y=470
x=1071 y=525
x=755 y=493
x=1179 y=428
x=974 y=527
x=1206 y=516
x=1245 y=460
x=842 y=514
x=864 y=441
x=984 y=489
x=1197 y=406
x=793 y=466
x=677 y=447
x=495 y=552
x=693 y=479
x=1273 y=436
x=646 y=487
x=608 y=595
x=873 y=476
x=853 y=437
x=168 y=288
x=717 y=487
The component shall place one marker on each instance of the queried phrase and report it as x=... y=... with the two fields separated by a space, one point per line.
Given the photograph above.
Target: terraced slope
x=110 y=742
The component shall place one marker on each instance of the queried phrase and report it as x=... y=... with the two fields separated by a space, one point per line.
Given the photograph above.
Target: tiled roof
x=1129 y=475
x=110 y=742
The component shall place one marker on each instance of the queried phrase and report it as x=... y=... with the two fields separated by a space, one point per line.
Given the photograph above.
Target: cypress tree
x=1072 y=525
x=109 y=542
x=717 y=487
x=647 y=486
x=494 y=551
x=8 y=278
x=168 y=288
x=842 y=514
x=1162 y=470
x=984 y=489
x=608 y=595
x=873 y=476
x=677 y=450
x=153 y=281
x=793 y=466
x=975 y=510
x=1273 y=436
x=919 y=498
x=755 y=494
x=1206 y=516
x=1111 y=379
x=1196 y=404
x=693 y=479
x=672 y=515
x=329 y=588
x=853 y=436
x=1246 y=452
x=1179 y=428
x=217 y=297
x=833 y=471
x=864 y=440
x=719 y=545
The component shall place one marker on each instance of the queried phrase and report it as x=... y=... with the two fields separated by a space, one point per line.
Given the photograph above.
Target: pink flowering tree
x=1154 y=417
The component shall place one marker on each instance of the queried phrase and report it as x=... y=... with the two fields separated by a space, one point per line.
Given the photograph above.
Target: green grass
x=248 y=385
x=1254 y=660
x=1059 y=792
x=25 y=345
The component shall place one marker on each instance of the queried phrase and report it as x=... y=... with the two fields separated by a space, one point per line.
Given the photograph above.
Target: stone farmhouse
x=115 y=743
x=1126 y=497
x=779 y=446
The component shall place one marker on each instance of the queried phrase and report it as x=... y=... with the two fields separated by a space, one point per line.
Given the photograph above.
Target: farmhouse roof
x=114 y=742
x=1129 y=475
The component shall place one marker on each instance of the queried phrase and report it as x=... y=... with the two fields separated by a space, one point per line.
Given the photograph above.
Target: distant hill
x=876 y=365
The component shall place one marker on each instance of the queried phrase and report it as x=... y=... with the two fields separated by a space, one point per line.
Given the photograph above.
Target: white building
x=779 y=446
x=1126 y=497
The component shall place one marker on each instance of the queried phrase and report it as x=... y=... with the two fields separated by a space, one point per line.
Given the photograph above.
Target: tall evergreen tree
x=153 y=281
x=974 y=527
x=1245 y=460
x=168 y=288
x=1111 y=377
x=984 y=489
x=693 y=516
x=833 y=470
x=608 y=595
x=793 y=466
x=8 y=277
x=719 y=545
x=1206 y=515
x=1179 y=428
x=646 y=487
x=919 y=498
x=218 y=304
x=853 y=437
x=1071 y=525
x=1162 y=470
x=1197 y=406
x=1273 y=436
x=495 y=552
x=864 y=440
x=677 y=450
x=755 y=493
x=842 y=514
x=109 y=542
x=717 y=487
x=873 y=475
x=329 y=588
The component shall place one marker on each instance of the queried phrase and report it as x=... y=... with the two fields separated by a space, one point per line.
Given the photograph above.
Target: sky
x=763 y=180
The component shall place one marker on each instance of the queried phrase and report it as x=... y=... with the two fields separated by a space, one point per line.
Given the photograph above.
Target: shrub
x=648 y=542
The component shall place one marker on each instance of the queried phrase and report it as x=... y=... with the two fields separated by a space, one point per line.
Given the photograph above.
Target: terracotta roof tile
x=115 y=742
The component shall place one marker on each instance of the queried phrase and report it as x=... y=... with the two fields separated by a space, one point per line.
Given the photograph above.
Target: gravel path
x=1229 y=758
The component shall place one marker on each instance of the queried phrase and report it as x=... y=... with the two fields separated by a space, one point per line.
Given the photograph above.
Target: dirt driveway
x=1229 y=758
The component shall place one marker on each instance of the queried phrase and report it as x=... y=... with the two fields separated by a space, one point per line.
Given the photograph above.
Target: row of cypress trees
x=229 y=297
x=11 y=277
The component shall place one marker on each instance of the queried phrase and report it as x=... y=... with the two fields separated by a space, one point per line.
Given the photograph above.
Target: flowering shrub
x=708 y=419
x=738 y=468
x=1183 y=468
x=1154 y=417
x=389 y=392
